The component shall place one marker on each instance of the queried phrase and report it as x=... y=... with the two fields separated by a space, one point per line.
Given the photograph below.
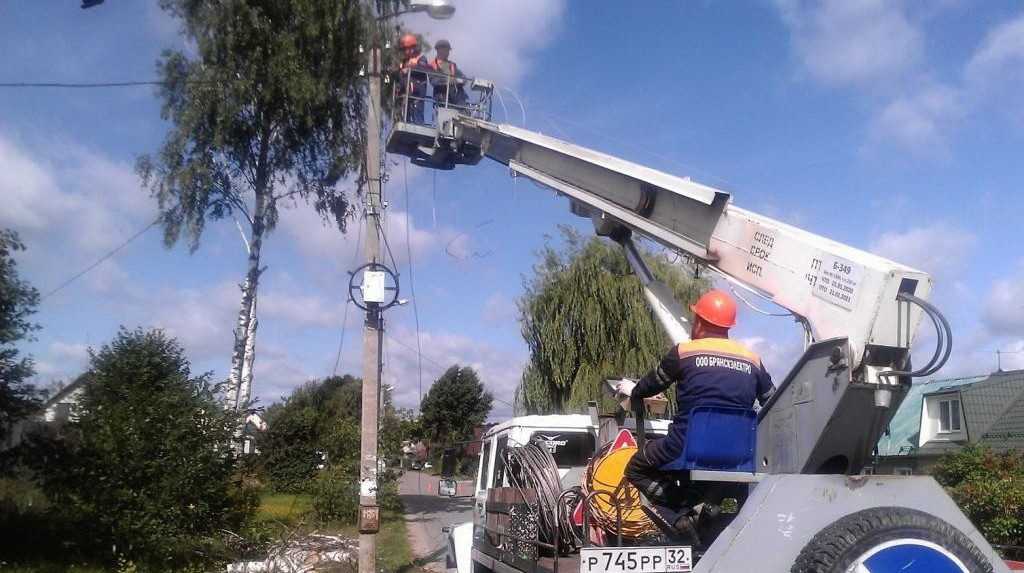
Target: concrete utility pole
x=373 y=329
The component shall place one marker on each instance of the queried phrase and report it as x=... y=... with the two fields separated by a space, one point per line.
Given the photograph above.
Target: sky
x=892 y=126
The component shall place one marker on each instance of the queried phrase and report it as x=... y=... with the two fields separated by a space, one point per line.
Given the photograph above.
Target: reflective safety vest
x=446 y=67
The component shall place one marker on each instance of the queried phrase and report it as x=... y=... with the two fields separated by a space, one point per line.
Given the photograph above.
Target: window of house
x=949 y=416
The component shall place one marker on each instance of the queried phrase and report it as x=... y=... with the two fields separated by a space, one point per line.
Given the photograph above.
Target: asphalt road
x=426 y=514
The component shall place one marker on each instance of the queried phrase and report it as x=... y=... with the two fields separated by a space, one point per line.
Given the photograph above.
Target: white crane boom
x=861 y=311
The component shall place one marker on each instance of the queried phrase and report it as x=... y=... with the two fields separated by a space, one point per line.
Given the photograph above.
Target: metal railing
x=418 y=94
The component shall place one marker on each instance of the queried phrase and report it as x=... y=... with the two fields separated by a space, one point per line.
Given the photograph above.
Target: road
x=426 y=514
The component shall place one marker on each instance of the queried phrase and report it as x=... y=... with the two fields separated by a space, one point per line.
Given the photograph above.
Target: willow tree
x=265 y=106
x=585 y=319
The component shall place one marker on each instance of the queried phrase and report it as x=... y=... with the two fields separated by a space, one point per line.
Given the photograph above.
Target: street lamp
x=436 y=9
x=373 y=327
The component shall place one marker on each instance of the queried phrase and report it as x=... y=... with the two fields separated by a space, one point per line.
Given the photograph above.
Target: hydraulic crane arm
x=838 y=290
x=861 y=310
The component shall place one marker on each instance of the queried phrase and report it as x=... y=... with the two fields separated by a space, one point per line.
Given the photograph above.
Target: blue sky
x=892 y=126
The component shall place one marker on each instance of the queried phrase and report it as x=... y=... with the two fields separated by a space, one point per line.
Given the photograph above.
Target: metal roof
x=993 y=406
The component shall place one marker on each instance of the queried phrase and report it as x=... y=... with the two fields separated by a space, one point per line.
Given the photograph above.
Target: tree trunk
x=234 y=379
x=245 y=329
x=245 y=386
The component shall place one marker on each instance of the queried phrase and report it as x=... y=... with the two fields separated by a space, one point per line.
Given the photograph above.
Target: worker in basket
x=709 y=370
x=448 y=79
x=412 y=82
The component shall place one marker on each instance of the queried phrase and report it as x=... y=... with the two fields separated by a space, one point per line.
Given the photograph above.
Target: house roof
x=993 y=406
x=64 y=392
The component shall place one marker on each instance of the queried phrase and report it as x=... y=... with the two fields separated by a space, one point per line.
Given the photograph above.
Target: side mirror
x=447 y=488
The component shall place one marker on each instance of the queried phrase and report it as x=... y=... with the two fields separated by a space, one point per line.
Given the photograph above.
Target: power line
x=93 y=85
x=81 y=85
x=348 y=301
x=82 y=273
x=442 y=368
x=412 y=284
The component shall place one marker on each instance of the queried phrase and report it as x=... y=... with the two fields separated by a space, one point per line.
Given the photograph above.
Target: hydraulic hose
x=943 y=344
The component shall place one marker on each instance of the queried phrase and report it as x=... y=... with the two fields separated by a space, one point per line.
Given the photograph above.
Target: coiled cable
x=532 y=467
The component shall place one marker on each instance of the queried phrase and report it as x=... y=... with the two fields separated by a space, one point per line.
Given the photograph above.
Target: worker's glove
x=625 y=387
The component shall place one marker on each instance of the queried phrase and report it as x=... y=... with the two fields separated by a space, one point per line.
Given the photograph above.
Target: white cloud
x=327 y=250
x=500 y=370
x=495 y=39
x=499 y=308
x=853 y=42
x=201 y=319
x=1000 y=52
x=1004 y=306
x=995 y=72
x=920 y=122
x=68 y=195
x=938 y=249
x=300 y=309
x=778 y=353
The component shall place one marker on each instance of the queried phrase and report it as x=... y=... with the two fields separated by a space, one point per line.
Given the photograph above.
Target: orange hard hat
x=408 y=41
x=717 y=308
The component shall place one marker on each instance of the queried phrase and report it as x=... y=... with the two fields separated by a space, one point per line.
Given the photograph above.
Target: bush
x=147 y=469
x=336 y=495
x=989 y=488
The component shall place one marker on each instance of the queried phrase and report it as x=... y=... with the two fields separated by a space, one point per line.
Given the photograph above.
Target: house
x=57 y=409
x=942 y=416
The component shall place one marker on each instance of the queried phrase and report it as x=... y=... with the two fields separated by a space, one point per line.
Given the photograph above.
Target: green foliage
x=18 y=301
x=312 y=446
x=271 y=99
x=455 y=404
x=299 y=431
x=585 y=319
x=147 y=468
x=336 y=494
x=989 y=488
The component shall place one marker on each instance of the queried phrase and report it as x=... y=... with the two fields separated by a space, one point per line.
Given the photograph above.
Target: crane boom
x=856 y=306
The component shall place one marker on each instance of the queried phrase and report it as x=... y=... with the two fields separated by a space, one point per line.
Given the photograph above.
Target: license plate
x=636 y=559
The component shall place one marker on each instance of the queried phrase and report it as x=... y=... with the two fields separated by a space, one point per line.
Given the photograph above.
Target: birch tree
x=265 y=107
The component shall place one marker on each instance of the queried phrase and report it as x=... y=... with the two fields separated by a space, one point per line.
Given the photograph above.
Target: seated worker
x=443 y=85
x=410 y=83
x=710 y=370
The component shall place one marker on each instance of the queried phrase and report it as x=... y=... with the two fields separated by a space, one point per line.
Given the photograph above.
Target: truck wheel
x=891 y=539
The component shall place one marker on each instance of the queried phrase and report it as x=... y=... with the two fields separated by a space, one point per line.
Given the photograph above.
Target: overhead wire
x=441 y=368
x=522 y=108
x=412 y=285
x=100 y=261
x=348 y=300
x=82 y=85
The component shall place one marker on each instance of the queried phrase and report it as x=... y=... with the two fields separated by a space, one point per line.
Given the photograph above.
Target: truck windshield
x=568 y=448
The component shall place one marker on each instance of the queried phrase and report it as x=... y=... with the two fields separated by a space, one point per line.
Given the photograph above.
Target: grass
x=284 y=508
x=291 y=512
x=393 y=551
x=281 y=514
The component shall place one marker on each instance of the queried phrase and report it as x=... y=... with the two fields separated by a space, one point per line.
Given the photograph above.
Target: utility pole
x=373 y=329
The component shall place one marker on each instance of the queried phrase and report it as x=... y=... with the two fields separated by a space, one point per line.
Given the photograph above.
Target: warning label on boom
x=838 y=281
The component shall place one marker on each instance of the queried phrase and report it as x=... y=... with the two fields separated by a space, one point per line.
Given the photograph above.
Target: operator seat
x=719 y=439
